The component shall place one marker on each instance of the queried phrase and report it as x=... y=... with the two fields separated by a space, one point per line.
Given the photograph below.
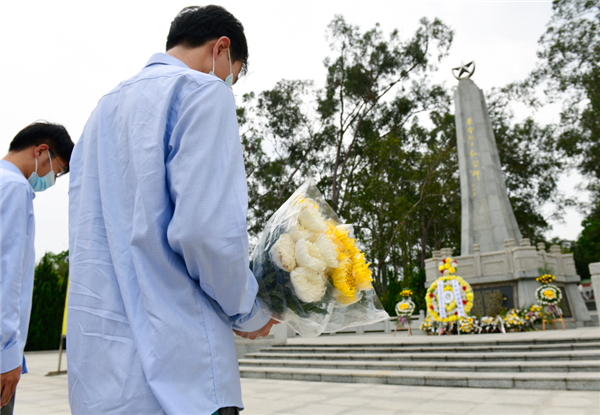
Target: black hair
x=195 y=25
x=54 y=135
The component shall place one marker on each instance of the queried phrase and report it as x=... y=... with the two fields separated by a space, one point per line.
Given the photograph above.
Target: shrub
x=48 y=304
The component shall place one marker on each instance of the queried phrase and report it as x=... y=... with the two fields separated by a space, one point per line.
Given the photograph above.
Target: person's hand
x=264 y=332
x=8 y=384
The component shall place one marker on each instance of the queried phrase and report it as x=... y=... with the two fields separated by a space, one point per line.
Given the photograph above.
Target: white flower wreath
x=548 y=294
x=405 y=308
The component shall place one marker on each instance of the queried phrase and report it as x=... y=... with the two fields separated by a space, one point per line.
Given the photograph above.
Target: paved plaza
x=38 y=394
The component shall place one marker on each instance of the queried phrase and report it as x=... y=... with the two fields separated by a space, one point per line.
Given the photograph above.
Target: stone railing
x=595 y=277
x=514 y=262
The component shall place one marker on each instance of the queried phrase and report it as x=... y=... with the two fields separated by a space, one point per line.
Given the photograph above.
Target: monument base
x=507 y=279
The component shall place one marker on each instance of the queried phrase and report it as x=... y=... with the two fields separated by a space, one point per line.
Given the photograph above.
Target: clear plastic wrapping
x=310 y=272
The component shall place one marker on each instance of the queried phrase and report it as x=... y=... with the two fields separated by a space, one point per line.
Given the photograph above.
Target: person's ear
x=222 y=45
x=39 y=150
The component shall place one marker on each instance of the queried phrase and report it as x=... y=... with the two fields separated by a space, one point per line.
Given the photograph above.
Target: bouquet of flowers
x=545 y=279
x=310 y=272
x=406 y=293
x=512 y=320
x=489 y=324
x=533 y=314
x=466 y=325
x=429 y=325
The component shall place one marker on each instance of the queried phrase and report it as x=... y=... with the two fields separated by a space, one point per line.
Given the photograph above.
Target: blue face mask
x=39 y=184
x=229 y=79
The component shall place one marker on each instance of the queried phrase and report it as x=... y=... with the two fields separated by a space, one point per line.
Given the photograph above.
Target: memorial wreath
x=548 y=294
x=450 y=296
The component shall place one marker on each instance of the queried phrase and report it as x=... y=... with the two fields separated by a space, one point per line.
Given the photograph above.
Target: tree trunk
x=424 y=239
x=436 y=240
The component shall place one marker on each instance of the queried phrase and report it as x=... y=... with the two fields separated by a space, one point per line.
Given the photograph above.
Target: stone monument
x=501 y=273
x=487 y=216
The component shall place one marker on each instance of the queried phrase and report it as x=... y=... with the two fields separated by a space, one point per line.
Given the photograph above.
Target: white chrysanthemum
x=283 y=253
x=308 y=255
x=298 y=232
x=308 y=284
x=327 y=250
x=313 y=237
x=311 y=219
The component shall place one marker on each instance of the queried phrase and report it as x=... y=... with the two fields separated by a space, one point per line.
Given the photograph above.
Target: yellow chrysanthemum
x=341 y=234
x=343 y=278
x=348 y=250
x=549 y=294
x=362 y=272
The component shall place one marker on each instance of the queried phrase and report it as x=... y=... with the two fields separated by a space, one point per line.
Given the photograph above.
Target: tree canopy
x=569 y=72
x=379 y=140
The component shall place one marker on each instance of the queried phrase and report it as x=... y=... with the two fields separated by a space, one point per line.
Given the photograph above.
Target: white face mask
x=229 y=79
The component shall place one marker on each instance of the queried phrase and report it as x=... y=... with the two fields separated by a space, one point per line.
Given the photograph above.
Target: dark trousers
x=230 y=410
x=8 y=409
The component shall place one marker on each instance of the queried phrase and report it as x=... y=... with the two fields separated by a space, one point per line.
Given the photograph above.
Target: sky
x=59 y=57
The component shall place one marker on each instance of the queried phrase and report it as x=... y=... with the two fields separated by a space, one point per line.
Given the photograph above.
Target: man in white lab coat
x=158 y=238
x=37 y=156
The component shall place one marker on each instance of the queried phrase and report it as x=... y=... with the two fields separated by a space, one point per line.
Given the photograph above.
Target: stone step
x=445 y=341
x=522 y=356
x=537 y=366
x=593 y=322
x=434 y=349
x=530 y=380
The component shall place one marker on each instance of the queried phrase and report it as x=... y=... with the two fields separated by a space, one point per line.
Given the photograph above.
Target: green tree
x=531 y=163
x=360 y=138
x=569 y=72
x=48 y=303
x=380 y=142
x=587 y=247
x=568 y=69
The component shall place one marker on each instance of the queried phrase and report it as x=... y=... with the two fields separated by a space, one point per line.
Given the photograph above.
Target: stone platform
x=507 y=278
x=561 y=360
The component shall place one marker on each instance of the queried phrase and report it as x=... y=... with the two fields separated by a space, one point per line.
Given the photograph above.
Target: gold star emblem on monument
x=465 y=71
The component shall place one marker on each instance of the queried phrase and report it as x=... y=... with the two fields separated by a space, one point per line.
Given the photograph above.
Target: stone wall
x=514 y=261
